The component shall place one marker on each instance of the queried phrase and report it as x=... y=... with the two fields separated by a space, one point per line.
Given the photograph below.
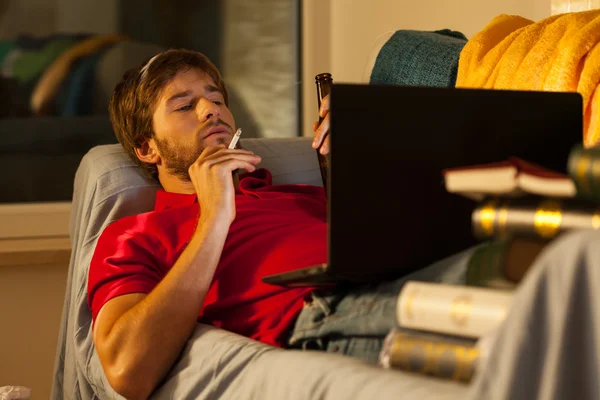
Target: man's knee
x=572 y=251
x=578 y=242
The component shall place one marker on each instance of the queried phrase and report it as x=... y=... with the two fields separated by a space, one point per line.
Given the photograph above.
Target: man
x=200 y=255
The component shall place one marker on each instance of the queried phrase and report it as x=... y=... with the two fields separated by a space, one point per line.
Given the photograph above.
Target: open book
x=511 y=178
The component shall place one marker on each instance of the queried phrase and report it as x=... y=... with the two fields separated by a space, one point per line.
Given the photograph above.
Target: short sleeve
x=123 y=263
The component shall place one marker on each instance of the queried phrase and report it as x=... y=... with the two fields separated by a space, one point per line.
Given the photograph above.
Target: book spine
x=584 y=169
x=503 y=262
x=486 y=268
x=424 y=354
x=541 y=218
x=449 y=309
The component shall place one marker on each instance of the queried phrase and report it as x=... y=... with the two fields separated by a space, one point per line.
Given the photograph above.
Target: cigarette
x=235 y=139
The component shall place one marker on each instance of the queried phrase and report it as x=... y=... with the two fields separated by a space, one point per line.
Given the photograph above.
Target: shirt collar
x=248 y=183
x=166 y=200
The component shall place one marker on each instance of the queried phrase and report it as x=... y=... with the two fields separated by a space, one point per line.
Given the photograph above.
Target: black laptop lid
x=389 y=212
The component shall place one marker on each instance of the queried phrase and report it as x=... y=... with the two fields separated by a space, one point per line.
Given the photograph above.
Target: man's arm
x=138 y=337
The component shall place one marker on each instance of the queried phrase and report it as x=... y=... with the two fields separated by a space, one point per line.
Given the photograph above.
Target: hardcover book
x=584 y=168
x=512 y=178
x=534 y=217
x=451 y=309
x=503 y=262
x=429 y=354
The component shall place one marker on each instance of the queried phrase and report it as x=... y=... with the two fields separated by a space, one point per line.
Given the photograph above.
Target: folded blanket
x=559 y=53
x=419 y=58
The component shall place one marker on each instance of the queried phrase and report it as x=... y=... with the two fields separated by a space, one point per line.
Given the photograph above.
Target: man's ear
x=147 y=152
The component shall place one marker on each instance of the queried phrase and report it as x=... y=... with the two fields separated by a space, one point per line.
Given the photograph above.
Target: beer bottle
x=324 y=83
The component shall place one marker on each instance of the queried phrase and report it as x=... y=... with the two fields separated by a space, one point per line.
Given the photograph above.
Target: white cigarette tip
x=235 y=139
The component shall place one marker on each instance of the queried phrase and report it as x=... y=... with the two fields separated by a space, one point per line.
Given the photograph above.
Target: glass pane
x=255 y=44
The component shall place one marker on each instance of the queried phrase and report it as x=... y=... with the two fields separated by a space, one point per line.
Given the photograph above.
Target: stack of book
x=521 y=207
x=439 y=327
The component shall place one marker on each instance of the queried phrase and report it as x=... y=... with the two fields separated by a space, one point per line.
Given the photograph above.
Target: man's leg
x=354 y=321
x=549 y=345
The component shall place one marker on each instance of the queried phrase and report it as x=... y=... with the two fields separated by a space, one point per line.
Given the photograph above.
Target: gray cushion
x=290 y=161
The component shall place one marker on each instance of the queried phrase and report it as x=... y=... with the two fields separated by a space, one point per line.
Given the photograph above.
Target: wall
x=339 y=34
x=44 y=17
x=31 y=299
x=27 y=16
x=34 y=258
x=316 y=55
x=90 y=16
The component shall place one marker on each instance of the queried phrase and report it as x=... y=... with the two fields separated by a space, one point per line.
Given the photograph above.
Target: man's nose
x=207 y=110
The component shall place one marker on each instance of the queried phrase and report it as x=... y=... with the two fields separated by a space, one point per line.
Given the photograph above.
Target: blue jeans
x=354 y=320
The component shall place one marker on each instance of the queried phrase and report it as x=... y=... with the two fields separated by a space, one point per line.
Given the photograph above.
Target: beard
x=178 y=158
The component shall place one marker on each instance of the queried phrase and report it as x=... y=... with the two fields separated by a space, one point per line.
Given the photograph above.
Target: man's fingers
x=222 y=151
x=222 y=158
x=324 y=109
x=321 y=132
x=234 y=163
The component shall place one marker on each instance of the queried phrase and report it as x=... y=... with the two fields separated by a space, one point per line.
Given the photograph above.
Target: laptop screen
x=389 y=212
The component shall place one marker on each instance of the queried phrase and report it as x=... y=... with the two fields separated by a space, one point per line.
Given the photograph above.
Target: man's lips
x=216 y=130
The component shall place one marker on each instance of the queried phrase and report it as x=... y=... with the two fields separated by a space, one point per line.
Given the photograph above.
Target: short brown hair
x=134 y=99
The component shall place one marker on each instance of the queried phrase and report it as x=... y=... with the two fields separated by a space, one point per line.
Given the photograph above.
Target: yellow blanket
x=559 y=53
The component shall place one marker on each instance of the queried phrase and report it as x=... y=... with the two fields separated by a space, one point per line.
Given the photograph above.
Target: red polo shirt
x=277 y=228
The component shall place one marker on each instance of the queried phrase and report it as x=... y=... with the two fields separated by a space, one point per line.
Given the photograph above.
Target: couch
x=108 y=187
x=219 y=364
x=215 y=363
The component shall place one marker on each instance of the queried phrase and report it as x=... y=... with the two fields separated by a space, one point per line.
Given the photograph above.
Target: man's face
x=190 y=115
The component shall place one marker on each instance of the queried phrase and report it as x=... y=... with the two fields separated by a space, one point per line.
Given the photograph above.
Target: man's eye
x=218 y=102
x=185 y=108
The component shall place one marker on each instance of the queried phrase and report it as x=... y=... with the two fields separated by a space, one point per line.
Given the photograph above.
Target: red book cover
x=514 y=177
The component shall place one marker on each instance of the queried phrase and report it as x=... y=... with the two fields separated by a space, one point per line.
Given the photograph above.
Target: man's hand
x=212 y=177
x=322 y=130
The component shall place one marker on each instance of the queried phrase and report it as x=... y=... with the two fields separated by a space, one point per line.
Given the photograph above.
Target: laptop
x=388 y=211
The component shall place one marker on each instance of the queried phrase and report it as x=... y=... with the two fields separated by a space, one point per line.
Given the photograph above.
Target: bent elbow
x=129 y=383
